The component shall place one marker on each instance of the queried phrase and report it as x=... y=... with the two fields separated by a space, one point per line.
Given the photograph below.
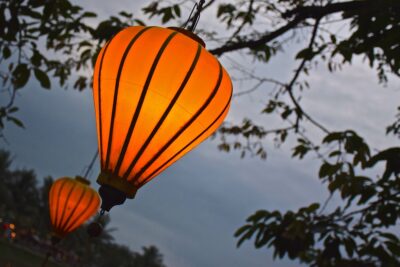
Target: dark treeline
x=24 y=202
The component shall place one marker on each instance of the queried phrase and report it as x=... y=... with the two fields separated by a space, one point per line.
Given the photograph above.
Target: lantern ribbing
x=158 y=93
x=71 y=203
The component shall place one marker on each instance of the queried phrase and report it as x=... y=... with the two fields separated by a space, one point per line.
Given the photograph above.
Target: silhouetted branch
x=249 y=11
x=317 y=12
x=299 y=110
x=254 y=43
x=299 y=15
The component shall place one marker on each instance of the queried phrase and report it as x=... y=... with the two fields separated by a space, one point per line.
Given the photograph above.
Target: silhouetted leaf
x=42 y=78
x=16 y=121
x=21 y=75
x=6 y=52
x=177 y=10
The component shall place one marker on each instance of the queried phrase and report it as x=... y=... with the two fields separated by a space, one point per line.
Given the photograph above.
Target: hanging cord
x=95 y=228
x=90 y=166
x=194 y=19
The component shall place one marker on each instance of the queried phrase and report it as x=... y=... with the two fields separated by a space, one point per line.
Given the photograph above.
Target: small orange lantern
x=71 y=202
x=158 y=93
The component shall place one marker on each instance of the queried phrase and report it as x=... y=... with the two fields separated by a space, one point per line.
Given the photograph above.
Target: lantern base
x=117 y=183
x=110 y=197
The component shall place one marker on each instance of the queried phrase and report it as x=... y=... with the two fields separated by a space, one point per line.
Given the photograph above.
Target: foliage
x=33 y=31
x=360 y=231
x=25 y=204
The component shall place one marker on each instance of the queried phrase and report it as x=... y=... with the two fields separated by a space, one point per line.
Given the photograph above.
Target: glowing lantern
x=157 y=93
x=71 y=203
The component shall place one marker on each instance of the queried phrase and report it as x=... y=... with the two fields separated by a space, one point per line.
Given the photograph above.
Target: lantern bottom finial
x=110 y=197
x=107 y=178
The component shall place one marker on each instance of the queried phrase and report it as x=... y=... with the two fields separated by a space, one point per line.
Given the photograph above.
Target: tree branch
x=254 y=43
x=321 y=11
x=289 y=88
x=249 y=11
x=300 y=14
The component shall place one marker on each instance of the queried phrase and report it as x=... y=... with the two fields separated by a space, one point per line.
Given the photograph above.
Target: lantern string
x=190 y=16
x=90 y=166
x=195 y=18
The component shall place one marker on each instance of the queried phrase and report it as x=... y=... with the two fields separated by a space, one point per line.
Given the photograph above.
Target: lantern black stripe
x=99 y=103
x=168 y=110
x=68 y=227
x=189 y=144
x=65 y=205
x=58 y=201
x=187 y=125
x=114 y=107
x=141 y=101
x=73 y=211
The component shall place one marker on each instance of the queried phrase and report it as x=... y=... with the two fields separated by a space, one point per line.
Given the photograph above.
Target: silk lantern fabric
x=71 y=203
x=157 y=93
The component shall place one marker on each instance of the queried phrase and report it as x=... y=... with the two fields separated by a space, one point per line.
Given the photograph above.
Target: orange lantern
x=158 y=93
x=71 y=203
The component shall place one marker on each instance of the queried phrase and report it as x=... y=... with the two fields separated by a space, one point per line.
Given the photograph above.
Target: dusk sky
x=191 y=211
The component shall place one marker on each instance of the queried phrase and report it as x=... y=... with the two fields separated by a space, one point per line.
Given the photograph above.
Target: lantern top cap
x=82 y=180
x=189 y=34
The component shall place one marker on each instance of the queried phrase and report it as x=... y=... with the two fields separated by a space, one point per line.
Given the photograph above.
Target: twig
x=249 y=11
x=299 y=15
x=289 y=88
x=325 y=204
x=254 y=43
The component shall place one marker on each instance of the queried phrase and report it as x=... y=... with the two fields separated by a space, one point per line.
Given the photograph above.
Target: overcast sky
x=191 y=210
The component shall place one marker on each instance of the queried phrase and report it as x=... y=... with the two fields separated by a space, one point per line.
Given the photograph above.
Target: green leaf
x=333 y=137
x=16 y=121
x=224 y=147
x=328 y=169
x=125 y=14
x=335 y=153
x=246 y=236
x=6 y=52
x=393 y=247
x=313 y=207
x=241 y=230
x=89 y=15
x=177 y=10
x=36 y=58
x=140 y=22
x=286 y=113
x=84 y=43
x=349 y=245
x=42 y=77
x=21 y=75
x=390 y=236
x=167 y=15
x=260 y=214
x=13 y=109
x=333 y=38
x=225 y=9
x=306 y=53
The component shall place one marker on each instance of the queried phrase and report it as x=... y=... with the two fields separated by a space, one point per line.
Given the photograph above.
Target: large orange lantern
x=157 y=94
x=71 y=203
